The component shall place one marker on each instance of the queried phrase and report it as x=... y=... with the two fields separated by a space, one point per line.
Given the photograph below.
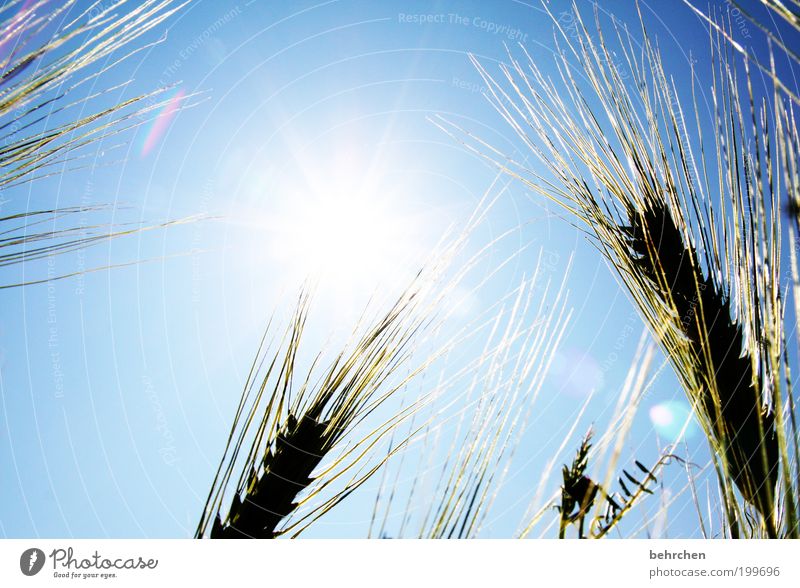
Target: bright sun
x=349 y=222
x=343 y=238
x=349 y=242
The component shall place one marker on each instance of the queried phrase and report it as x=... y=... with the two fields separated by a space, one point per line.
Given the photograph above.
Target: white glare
x=348 y=242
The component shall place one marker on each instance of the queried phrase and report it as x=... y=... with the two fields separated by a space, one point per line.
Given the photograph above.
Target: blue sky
x=118 y=387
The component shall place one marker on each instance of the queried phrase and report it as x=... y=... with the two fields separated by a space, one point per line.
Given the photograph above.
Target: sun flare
x=346 y=217
x=350 y=239
x=343 y=238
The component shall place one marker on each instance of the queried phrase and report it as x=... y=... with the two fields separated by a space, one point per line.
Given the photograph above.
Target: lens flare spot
x=577 y=372
x=673 y=420
x=13 y=40
x=661 y=416
x=158 y=127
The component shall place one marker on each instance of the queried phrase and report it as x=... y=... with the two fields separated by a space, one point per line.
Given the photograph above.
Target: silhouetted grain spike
x=19 y=67
x=717 y=344
x=641 y=485
x=632 y=479
x=298 y=449
x=649 y=477
x=613 y=503
x=578 y=491
x=624 y=487
x=620 y=153
x=216 y=529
